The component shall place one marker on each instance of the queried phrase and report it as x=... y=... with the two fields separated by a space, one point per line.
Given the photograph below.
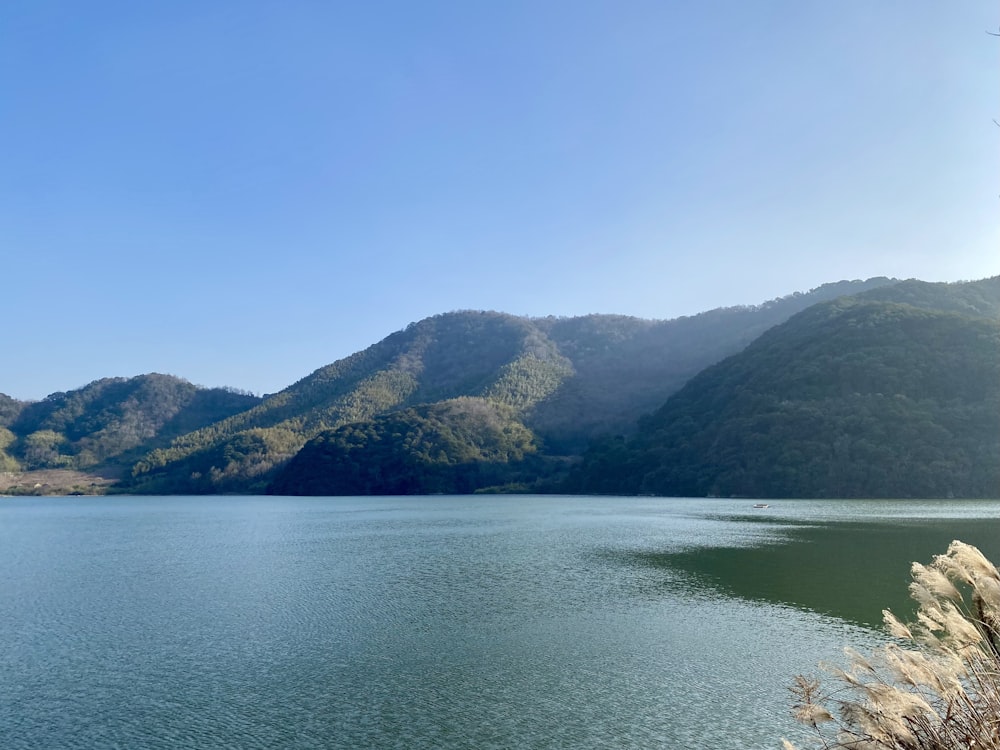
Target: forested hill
x=109 y=422
x=876 y=388
x=456 y=446
x=491 y=355
x=9 y=409
x=564 y=379
x=893 y=393
x=976 y=299
x=626 y=367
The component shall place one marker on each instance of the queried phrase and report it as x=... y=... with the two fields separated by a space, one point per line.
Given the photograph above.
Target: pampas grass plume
x=937 y=687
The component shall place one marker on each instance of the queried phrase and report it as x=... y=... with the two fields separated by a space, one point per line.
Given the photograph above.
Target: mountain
x=565 y=380
x=892 y=393
x=624 y=368
x=490 y=355
x=109 y=422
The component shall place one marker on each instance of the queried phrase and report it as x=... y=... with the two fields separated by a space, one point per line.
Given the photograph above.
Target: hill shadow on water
x=850 y=570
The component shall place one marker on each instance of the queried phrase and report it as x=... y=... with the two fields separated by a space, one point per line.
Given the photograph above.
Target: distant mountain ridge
x=470 y=400
x=566 y=380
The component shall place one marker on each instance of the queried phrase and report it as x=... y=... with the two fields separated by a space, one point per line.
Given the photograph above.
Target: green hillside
x=109 y=422
x=480 y=354
x=456 y=447
x=860 y=397
x=977 y=299
x=627 y=367
x=565 y=379
x=863 y=388
x=9 y=409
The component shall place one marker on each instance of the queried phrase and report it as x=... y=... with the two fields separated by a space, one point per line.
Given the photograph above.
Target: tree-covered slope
x=9 y=409
x=503 y=358
x=566 y=379
x=625 y=367
x=456 y=446
x=861 y=397
x=563 y=381
x=107 y=421
x=977 y=299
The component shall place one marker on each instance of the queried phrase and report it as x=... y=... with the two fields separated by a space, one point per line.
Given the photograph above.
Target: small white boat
x=761 y=505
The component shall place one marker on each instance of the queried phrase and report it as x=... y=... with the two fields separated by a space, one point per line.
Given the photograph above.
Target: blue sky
x=240 y=192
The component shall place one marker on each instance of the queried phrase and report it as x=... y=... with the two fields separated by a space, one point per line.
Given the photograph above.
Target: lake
x=440 y=622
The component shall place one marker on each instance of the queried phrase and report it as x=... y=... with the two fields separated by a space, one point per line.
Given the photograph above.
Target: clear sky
x=238 y=191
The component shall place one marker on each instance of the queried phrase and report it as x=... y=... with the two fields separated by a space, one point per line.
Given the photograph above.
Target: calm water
x=445 y=622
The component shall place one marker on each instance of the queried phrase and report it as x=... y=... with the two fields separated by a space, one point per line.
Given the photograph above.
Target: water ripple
x=386 y=623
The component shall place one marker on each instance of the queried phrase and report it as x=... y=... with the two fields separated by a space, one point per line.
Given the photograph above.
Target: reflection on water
x=443 y=622
x=849 y=559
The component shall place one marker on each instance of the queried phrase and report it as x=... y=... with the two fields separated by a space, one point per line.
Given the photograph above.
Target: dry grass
x=938 y=686
x=54 y=482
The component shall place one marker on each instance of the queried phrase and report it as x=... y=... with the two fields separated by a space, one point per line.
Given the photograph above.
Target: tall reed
x=937 y=686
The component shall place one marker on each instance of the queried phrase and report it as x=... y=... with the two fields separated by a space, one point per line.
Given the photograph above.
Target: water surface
x=445 y=622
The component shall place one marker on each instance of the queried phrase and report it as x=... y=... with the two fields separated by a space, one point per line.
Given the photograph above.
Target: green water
x=852 y=566
x=446 y=622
